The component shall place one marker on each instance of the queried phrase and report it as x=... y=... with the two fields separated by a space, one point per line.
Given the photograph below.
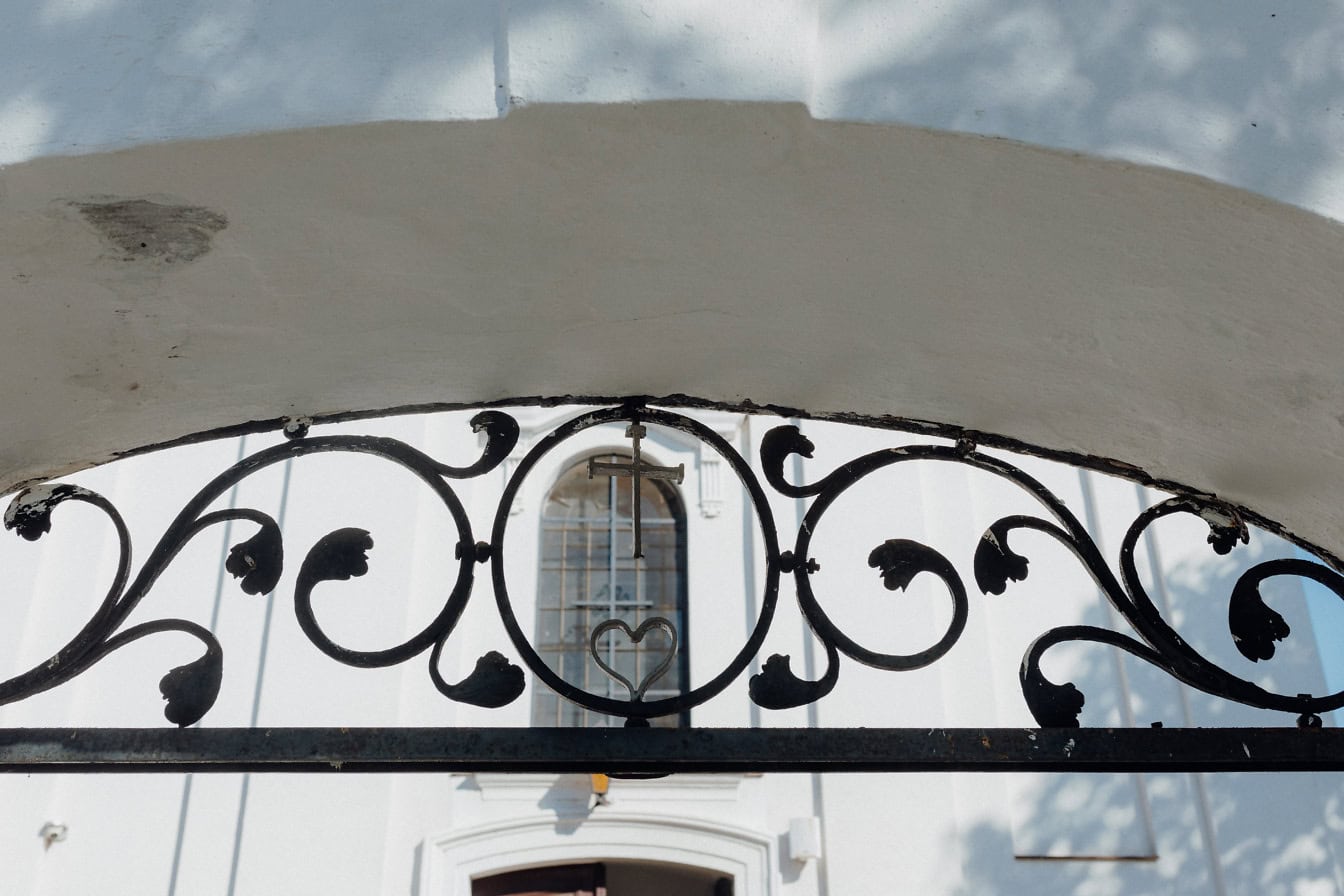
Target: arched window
x=588 y=575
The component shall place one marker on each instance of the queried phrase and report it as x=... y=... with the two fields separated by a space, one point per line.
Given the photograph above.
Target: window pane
x=587 y=575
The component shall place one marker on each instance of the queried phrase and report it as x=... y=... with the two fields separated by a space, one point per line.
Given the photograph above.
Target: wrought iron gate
x=1058 y=744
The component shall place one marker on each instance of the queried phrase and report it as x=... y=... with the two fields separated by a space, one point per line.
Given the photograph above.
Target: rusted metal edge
x=667 y=751
x=951 y=431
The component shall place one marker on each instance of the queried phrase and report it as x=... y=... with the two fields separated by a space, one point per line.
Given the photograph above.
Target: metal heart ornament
x=635 y=636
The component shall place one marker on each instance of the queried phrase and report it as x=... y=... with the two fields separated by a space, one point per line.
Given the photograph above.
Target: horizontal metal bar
x=665 y=751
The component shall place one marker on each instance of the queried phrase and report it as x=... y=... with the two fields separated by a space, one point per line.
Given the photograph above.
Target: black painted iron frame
x=646 y=752
x=190 y=690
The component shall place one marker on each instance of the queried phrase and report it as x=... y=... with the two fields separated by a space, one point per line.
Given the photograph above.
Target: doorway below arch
x=605 y=879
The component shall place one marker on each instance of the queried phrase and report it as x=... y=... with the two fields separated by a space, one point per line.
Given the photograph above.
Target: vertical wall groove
x=256 y=696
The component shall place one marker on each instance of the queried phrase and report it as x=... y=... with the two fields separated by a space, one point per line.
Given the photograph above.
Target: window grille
x=588 y=576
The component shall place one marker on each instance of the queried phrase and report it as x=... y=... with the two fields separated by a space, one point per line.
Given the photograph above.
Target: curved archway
x=1087 y=306
x=453 y=859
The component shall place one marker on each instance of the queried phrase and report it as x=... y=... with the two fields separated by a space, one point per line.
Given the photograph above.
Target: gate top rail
x=655 y=752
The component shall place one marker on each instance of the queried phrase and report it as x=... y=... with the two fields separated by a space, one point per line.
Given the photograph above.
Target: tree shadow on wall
x=1251 y=94
x=1239 y=834
x=103 y=74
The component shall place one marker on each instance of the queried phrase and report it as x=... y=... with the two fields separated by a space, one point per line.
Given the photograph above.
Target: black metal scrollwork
x=258 y=562
x=191 y=690
x=1253 y=625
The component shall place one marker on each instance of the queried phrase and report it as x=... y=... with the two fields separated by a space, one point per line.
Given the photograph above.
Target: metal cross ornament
x=637 y=470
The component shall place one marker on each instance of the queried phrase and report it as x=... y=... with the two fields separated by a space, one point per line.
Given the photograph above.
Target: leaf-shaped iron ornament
x=777 y=446
x=1052 y=705
x=899 y=560
x=1254 y=626
x=1226 y=529
x=495 y=682
x=29 y=513
x=995 y=562
x=501 y=434
x=259 y=560
x=191 y=690
x=339 y=555
x=777 y=687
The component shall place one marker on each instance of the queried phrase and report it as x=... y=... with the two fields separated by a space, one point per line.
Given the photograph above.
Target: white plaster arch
x=732 y=253
x=452 y=859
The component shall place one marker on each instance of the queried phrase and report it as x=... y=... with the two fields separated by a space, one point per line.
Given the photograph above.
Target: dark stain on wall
x=143 y=230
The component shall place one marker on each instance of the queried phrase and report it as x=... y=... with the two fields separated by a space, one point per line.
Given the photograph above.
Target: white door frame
x=453 y=858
